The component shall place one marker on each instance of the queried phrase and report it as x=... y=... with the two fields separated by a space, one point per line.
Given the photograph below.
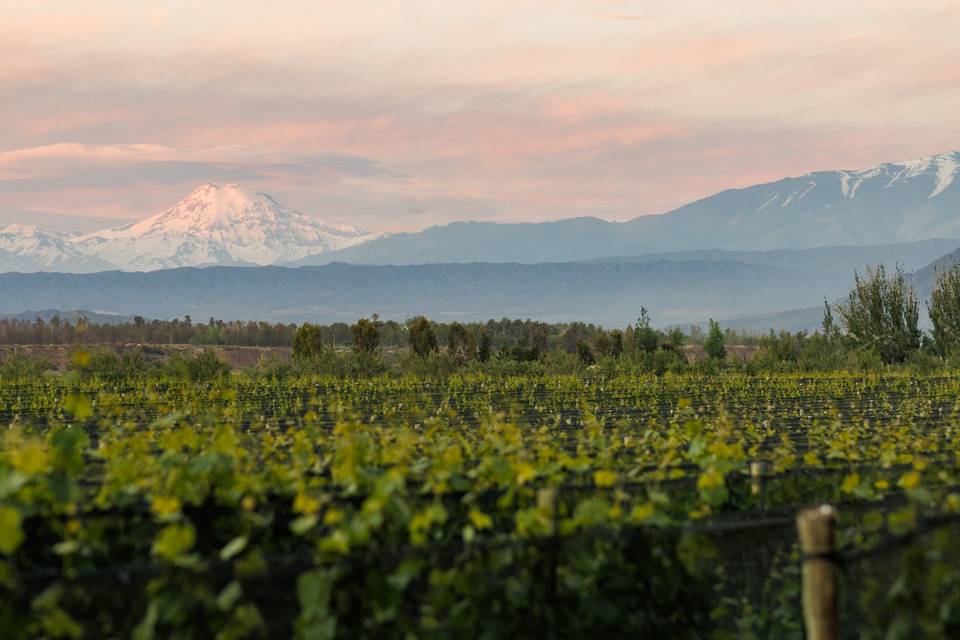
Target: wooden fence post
x=547 y=502
x=820 y=615
x=756 y=482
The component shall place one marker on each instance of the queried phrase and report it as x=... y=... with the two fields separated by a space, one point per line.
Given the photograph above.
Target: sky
x=393 y=116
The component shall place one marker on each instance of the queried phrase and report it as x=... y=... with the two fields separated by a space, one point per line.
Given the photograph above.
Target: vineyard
x=479 y=507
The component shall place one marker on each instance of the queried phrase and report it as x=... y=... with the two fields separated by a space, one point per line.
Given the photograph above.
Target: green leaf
x=233 y=547
x=78 y=405
x=11 y=482
x=229 y=596
x=174 y=541
x=316 y=621
x=68 y=445
x=303 y=524
x=11 y=531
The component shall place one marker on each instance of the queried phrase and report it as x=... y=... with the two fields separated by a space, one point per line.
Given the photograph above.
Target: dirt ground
x=695 y=352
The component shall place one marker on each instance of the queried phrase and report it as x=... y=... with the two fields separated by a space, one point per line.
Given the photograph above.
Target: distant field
x=501 y=507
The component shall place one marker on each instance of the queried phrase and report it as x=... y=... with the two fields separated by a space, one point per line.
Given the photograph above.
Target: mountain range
x=226 y=224
x=675 y=288
x=611 y=294
x=765 y=255
x=893 y=202
x=234 y=225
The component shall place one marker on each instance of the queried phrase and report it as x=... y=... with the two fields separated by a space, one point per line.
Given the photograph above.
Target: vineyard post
x=547 y=503
x=816 y=529
x=756 y=481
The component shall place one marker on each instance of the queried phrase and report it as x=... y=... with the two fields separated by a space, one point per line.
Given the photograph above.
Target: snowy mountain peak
x=219 y=224
x=231 y=210
x=227 y=224
x=941 y=170
x=23 y=230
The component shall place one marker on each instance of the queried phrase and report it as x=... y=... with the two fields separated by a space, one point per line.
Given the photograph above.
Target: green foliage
x=423 y=340
x=944 y=309
x=673 y=340
x=485 y=348
x=11 y=529
x=107 y=365
x=602 y=345
x=271 y=366
x=16 y=363
x=365 y=335
x=307 y=342
x=314 y=591
x=530 y=348
x=342 y=364
x=799 y=352
x=829 y=327
x=715 y=345
x=400 y=506
x=646 y=337
x=460 y=342
x=433 y=366
x=881 y=315
x=616 y=343
x=585 y=353
x=203 y=366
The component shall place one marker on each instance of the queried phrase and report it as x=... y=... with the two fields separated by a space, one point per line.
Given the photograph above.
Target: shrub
x=103 y=364
x=433 y=365
x=197 y=367
x=270 y=366
x=367 y=364
x=585 y=353
x=17 y=364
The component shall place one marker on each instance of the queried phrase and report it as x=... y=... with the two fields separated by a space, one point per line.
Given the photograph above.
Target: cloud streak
x=394 y=115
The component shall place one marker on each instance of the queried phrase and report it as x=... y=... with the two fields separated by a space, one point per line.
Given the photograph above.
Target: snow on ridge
x=24 y=230
x=790 y=199
x=213 y=224
x=229 y=209
x=768 y=202
x=948 y=166
x=228 y=223
x=944 y=168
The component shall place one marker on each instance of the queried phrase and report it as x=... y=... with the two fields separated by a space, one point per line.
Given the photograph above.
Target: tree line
x=877 y=325
x=530 y=334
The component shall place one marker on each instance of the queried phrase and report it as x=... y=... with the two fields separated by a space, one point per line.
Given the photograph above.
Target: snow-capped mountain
x=910 y=200
x=26 y=248
x=214 y=225
x=231 y=224
x=893 y=202
x=941 y=169
x=218 y=225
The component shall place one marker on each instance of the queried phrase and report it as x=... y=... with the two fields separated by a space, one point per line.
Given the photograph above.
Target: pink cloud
x=508 y=110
